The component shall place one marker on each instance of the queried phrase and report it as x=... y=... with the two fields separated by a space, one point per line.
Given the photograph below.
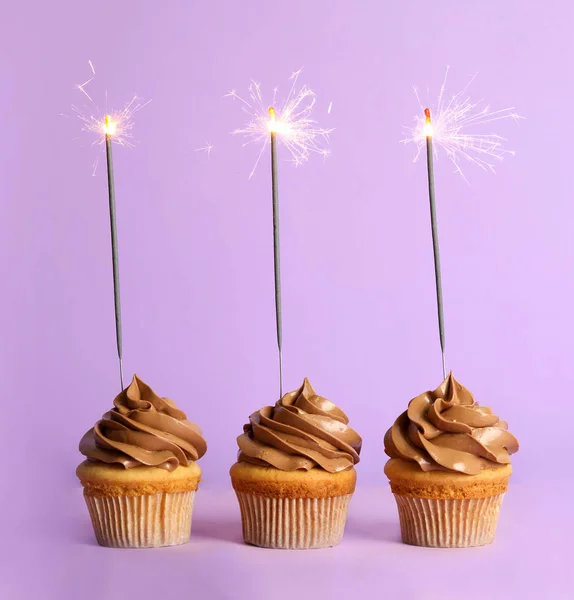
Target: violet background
x=359 y=310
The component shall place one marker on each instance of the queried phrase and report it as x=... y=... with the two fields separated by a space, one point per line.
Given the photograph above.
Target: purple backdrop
x=196 y=267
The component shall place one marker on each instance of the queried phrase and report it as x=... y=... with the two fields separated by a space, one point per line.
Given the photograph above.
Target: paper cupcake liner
x=147 y=521
x=293 y=523
x=452 y=523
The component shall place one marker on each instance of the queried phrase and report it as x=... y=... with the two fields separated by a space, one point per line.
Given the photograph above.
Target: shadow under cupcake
x=294 y=477
x=140 y=476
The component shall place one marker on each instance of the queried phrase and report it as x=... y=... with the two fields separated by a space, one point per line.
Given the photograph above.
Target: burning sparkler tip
x=114 y=126
x=110 y=126
x=428 y=128
x=291 y=121
x=272 y=121
x=450 y=126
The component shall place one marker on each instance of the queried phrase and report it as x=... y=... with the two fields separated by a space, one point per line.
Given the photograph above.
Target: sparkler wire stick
x=109 y=126
x=276 y=246
x=434 y=228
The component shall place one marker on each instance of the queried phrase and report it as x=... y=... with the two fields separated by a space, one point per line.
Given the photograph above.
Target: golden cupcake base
x=293 y=523
x=455 y=523
x=292 y=509
x=148 y=521
x=143 y=507
x=441 y=509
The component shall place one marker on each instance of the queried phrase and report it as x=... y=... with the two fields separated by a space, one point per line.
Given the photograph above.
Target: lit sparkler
x=291 y=125
x=447 y=130
x=122 y=120
x=453 y=130
x=110 y=127
x=93 y=118
x=295 y=128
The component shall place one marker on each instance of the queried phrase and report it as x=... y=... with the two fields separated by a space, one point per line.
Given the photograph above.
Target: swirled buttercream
x=144 y=430
x=302 y=431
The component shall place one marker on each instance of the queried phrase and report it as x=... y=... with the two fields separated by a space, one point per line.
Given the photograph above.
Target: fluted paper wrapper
x=452 y=523
x=147 y=521
x=293 y=523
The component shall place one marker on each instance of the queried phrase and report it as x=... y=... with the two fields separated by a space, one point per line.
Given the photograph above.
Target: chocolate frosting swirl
x=302 y=431
x=447 y=430
x=144 y=430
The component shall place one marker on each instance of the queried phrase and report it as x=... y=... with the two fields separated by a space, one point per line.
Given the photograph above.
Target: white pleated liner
x=452 y=523
x=293 y=523
x=147 y=521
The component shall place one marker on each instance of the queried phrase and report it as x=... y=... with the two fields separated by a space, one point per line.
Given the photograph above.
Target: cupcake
x=294 y=475
x=449 y=468
x=140 y=474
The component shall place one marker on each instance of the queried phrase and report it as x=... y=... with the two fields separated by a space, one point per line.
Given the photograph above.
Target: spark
x=451 y=120
x=81 y=86
x=330 y=107
x=113 y=122
x=120 y=126
x=207 y=148
x=291 y=121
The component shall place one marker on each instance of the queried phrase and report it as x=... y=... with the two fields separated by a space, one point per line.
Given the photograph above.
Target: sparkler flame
x=117 y=124
x=449 y=127
x=272 y=123
x=110 y=127
x=292 y=122
x=428 y=128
